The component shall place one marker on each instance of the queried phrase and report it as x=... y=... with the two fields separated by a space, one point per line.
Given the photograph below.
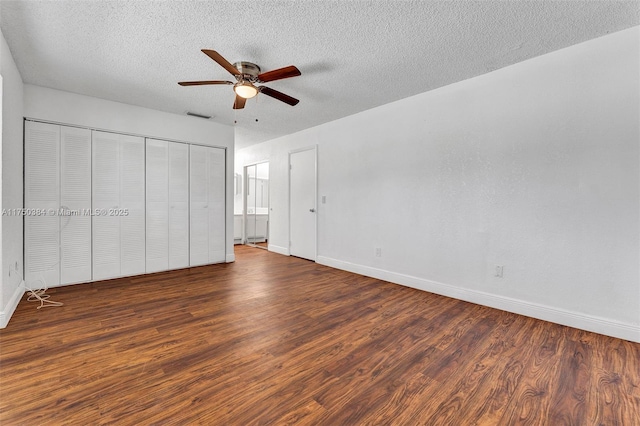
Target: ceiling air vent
x=194 y=114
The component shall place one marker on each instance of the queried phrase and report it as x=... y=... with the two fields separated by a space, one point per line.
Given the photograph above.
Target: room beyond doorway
x=256 y=202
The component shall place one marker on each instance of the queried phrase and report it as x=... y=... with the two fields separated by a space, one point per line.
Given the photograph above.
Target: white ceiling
x=354 y=55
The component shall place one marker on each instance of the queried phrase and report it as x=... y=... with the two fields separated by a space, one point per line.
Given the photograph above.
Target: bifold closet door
x=75 y=198
x=42 y=198
x=167 y=205
x=118 y=170
x=216 y=189
x=157 y=158
x=178 y=205
x=58 y=199
x=132 y=197
x=207 y=188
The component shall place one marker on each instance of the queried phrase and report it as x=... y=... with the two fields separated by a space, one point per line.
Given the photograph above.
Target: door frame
x=315 y=194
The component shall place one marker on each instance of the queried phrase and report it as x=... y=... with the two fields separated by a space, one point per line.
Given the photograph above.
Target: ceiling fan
x=247 y=75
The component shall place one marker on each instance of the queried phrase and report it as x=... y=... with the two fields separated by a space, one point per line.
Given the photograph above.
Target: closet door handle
x=312 y=210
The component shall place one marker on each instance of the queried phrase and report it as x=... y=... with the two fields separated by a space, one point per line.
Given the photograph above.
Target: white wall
x=11 y=188
x=69 y=108
x=535 y=167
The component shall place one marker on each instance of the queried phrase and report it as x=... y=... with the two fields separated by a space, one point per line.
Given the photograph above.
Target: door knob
x=312 y=210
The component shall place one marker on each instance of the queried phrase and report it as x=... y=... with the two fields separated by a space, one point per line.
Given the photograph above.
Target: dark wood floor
x=278 y=340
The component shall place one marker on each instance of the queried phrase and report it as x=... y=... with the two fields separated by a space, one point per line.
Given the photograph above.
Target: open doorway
x=256 y=201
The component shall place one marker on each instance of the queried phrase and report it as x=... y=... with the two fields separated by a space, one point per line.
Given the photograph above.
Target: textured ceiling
x=354 y=55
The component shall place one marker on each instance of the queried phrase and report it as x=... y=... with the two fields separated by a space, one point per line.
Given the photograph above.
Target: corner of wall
x=11 y=185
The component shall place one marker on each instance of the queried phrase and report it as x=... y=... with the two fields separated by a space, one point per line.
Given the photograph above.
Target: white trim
x=582 y=321
x=278 y=249
x=231 y=257
x=5 y=315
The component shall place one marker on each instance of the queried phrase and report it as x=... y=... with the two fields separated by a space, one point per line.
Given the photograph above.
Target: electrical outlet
x=378 y=252
x=13 y=267
x=499 y=271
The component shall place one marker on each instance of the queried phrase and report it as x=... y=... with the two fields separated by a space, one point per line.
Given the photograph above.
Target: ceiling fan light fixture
x=246 y=90
x=247 y=74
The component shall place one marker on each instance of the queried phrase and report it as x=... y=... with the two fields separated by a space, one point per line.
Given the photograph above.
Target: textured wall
x=534 y=167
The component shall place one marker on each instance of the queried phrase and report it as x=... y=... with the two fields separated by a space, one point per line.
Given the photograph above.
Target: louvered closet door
x=157 y=158
x=132 y=198
x=198 y=200
x=42 y=192
x=215 y=188
x=178 y=205
x=106 y=195
x=118 y=187
x=75 y=195
x=207 y=200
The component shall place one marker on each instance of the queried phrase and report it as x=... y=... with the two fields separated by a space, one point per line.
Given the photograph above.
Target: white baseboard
x=5 y=315
x=559 y=316
x=231 y=257
x=278 y=249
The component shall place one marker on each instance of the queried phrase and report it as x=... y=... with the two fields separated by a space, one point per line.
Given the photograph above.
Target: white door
x=167 y=205
x=132 y=198
x=207 y=205
x=178 y=205
x=302 y=187
x=106 y=195
x=199 y=226
x=42 y=192
x=118 y=173
x=75 y=195
x=216 y=198
x=157 y=205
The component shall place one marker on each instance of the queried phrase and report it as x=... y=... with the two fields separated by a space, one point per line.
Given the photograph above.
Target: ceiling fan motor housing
x=248 y=70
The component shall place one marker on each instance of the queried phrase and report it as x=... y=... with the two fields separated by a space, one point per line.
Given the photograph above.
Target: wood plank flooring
x=276 y=340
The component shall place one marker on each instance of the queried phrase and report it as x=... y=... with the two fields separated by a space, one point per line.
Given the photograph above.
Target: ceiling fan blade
x=279 y=74
x=221 y=61
x=279 y=95
x=239 y=102
x=202 y=83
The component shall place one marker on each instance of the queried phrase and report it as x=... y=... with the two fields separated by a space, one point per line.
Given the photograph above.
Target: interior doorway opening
x=256 y=202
